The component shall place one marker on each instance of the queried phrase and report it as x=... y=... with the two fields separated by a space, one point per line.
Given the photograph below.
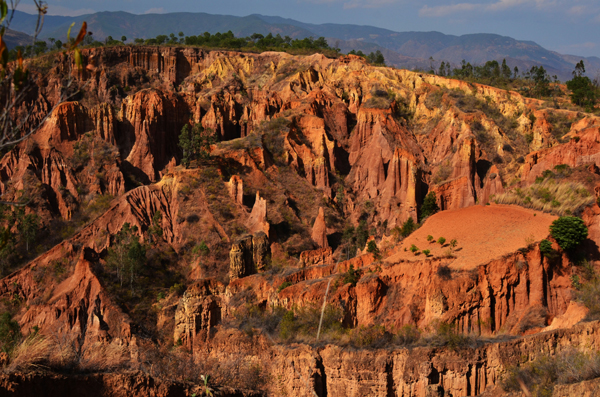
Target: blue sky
x=566 y=26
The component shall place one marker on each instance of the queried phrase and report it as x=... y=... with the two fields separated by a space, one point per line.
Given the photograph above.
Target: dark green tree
x=546 y=248
x=442 y=69
x=505 y=70
x=541 y=81
x=429 y=206
x=126 y=255
x=373 y=249
x=362 y=234
x=408 y=227
x=195 y=143
x=155 y=231
x=376 y=58
x=352 y=276
x=583 y=92
x=10 y=332
x=123 y=39
x=568 y=231
x=28 y=226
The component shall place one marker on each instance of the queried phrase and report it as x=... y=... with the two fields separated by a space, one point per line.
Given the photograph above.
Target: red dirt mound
x=482 y=233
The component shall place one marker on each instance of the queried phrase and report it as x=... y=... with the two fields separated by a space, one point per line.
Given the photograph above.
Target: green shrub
x=426 y=252
x=408 y=227
x=372 y=248
x=200 y=249
x=429 y=206
x=568 y=231
x=441 y=241
x=445 y=335
x=352 y=276
x=413 y=248
x=304 y=321
x=10 y=332
x=283 y=286
x=407 y=335
x=588 y=292
x=287 y=325
x=370 y=336
x=177 y=288
x=541 y=375
x=546 y=248
x=429 y=238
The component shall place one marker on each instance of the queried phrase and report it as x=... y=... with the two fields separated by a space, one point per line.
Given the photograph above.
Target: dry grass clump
x=442 y=333
x=101 y=357
x=62 y=353
x=32 y=352
x=541 y=375
x=560 y=198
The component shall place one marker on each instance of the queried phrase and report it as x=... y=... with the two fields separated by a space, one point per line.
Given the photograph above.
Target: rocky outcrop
x=418 y=371
x=583 y=148
x=152 y=122
x=77 y=309
x=236 y=189
x=198 y=310
x=257 y=221
x=318 y=257
x=319 y=230
x=249 y=255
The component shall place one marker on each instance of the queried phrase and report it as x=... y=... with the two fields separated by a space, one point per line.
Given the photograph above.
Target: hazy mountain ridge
x=404 y=49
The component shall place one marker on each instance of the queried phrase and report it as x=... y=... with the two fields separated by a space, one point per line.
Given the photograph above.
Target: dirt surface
x=482 y=233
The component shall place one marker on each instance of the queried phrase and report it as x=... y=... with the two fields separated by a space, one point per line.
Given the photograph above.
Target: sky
x=565 y=26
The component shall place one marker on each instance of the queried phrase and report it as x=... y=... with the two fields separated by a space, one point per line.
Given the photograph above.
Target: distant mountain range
x=13 y=38
x=401 y=49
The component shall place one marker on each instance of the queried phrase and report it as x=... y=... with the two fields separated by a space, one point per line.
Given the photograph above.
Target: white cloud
x=356 y=3
x=440 y=11
x=155 y=10
x=56 y=10
x=368 y=3
x=577 y=10
x=443 y=10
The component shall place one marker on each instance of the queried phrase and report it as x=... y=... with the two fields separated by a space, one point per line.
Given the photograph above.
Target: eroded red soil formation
x=307 y=146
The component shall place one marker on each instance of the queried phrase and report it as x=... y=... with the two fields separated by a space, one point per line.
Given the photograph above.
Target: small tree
x=195 y=143
x=10 y=332
x=429 y=206
x=546 y=248
x=127 y=255
x=429 y=238
x=408 y=227
x=362 y=234
x=373 y=249
x=426 y=252
x=28 y=227
x=568 y=231
x=155 y=230
x=453 y=243
x=123 y=39
x=413 y=248
x=583 y=92
x=352 y=276
x=441 y=240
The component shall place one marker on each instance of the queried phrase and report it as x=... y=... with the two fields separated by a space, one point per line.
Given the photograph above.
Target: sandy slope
x=482 y=232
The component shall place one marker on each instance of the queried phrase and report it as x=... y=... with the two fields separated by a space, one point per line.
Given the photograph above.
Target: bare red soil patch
x=483 y=233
